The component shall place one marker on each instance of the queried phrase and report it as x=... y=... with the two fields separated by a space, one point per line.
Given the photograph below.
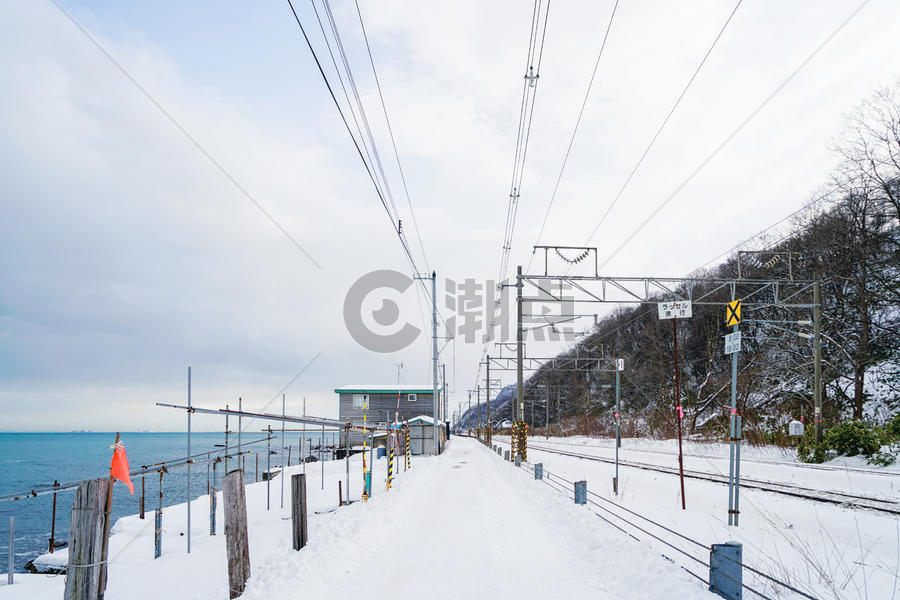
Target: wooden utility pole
x=236 y=544
x=678 y=410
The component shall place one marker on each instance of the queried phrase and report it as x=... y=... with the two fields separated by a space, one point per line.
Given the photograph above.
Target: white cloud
x=130 y=256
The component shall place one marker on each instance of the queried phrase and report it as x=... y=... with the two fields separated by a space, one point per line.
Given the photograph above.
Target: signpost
x=733 y=347
x=674 y=311
x=733 y=343
x=620 y=366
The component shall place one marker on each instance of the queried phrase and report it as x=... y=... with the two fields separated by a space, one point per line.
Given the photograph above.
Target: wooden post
x=298 y=510
x=86 y=529
x=104 y=553
x=142 y=494
x=340 y=494
x=236 y=543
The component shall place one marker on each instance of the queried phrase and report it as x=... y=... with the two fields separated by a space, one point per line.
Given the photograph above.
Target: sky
x=135 y=237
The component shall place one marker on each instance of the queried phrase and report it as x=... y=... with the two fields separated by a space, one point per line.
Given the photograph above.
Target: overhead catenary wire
x=412 y=212
x=587 y=94
x=373 y=171
x=530 y=86
x=732 y=134
x=665 y=121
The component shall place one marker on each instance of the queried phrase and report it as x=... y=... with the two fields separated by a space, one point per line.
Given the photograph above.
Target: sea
x=34 y=461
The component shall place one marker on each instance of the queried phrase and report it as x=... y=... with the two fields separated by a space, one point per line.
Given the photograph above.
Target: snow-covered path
x=466 y=524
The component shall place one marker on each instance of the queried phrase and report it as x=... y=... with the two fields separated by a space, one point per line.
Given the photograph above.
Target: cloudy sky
x=128 y=253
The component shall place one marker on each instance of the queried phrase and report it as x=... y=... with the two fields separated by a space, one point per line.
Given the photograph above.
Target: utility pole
x=619 y=367
x=434 y=351
x=469 y=415
x=487 y=382
x=679 y=410
x=520 y=386
x=478 y=405
x=817 y=358
x=444 y=392
x=734 y=427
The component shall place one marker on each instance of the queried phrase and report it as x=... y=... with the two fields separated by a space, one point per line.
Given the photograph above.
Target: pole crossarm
x=756 y=293
x=557 y=363
x=320 y=421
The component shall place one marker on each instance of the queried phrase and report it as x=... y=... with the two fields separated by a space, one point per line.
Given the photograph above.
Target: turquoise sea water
x=35 y=460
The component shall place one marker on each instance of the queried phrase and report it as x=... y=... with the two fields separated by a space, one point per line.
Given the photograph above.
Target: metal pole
x=487 y=382
x=817 y=358
x=520 y=384
x=282 y=452
x=737 y=471
x=346 y=462
x=268 y=467
x=323 y=462
x=434 y=379
x=478 y=408
x=12 y=552
x=308 y=449
x=226 y=440
x=732 y=427
x=618 y=438
x=240 y=422
x=53 y=518
x=678 y=408
x=188 y=500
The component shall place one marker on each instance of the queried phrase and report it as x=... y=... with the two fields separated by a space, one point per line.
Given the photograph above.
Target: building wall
x=421 y=438
x=383 y=406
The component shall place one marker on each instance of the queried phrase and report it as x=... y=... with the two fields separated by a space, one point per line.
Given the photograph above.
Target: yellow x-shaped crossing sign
x=733 y=313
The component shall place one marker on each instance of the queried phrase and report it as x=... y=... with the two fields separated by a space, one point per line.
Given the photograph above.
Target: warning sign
x=733 y=313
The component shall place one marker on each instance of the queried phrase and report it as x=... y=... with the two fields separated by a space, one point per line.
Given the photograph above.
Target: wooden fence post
x=236 y=544
x=86 y=530
x=298 y=510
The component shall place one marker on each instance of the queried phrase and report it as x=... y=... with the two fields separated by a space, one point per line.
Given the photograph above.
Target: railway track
x=763 y=461
x=828 y=497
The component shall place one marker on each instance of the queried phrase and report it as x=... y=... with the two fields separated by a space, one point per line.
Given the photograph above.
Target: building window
x=411 y=397
x=360 y=401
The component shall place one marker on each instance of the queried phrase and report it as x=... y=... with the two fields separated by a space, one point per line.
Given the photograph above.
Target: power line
x=575 y=130
x=664 y=122
x=731 y=136
x=393 y=141
x=523 y=132
x=356 y=143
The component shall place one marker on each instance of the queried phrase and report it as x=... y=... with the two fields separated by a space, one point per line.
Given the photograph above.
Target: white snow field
x=825 y=550
x=462 y=525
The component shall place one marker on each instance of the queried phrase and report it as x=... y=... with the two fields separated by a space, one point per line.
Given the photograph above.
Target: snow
x=464 y=524
x=829 y=551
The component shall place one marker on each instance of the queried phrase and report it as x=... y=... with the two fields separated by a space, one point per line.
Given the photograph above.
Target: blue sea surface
x=33 y=461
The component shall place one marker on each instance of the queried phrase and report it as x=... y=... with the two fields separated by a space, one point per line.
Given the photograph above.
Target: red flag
x=118 y=468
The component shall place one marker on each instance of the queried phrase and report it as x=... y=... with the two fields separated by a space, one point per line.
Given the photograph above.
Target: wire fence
x=566 y=486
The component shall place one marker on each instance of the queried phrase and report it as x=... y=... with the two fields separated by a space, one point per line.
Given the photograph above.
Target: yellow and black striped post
x=390 y=467
x=524 y=441
x=365 y=492
x=407 y=448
